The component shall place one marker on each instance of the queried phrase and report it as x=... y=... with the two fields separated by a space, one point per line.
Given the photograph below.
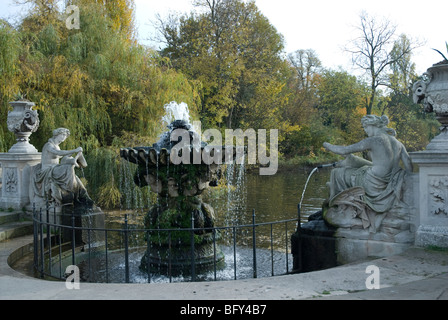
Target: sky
x=326 y=26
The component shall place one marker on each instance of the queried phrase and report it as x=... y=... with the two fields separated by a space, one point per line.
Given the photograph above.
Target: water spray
x=322 y=166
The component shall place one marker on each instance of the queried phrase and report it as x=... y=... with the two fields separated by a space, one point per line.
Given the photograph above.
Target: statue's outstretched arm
x=63 y=153
x=345 y=150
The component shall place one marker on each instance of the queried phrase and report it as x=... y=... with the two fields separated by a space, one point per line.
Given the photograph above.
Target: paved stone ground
x=416 y=274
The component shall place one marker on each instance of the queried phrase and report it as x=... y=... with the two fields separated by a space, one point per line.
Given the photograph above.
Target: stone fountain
x=178 y=185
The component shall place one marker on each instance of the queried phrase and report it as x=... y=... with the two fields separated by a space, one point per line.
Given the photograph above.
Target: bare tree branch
x=371 y=51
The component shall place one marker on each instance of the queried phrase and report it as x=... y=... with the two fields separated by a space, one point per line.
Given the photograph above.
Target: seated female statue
x=54 y=180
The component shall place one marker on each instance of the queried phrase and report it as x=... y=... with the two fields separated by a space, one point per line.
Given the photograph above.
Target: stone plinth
x=90 y=224
x=352 y=247
x=313 y=246
x=16 y=178
x=432 y=220
x=395 y=235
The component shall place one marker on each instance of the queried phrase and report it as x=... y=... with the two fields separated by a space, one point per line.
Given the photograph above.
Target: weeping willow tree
x=97 y=81
x=121 y=14
x=10 y=47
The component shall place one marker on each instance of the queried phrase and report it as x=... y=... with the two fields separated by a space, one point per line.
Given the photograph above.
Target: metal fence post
x=42 y=246
x=148 y=255
x=89 y=240
x=214 y=253
x=106 y=247
x=58 y=227
x=126 y=249
x=234 y=252
x=73 y=238
x=254 y=245
x=286 y=244
x=36 y=261
x=49 y=239
x=272 y=253
x=169 y=257
x=193 y=267
x=298 y=261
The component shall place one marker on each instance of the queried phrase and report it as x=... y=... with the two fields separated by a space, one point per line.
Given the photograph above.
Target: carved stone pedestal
x=432 y=222
x=394 y=234
x=16 y=179
x=432 y=92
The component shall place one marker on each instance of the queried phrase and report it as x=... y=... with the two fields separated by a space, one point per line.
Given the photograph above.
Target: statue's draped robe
x=52 y=182
x=381 y=193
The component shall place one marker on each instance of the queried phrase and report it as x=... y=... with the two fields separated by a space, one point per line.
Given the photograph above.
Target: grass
x=436 y=248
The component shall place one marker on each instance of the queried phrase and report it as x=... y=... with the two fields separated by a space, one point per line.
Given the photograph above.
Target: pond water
x=276 y=197
x=272 y=198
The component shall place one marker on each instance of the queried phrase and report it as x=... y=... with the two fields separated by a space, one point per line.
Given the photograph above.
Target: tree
x=372 y=52
x=307 y=64
x=233 y=50
x=10 y=48
x=107 y=90
x=341 y=100
x=42 y=11
x=307 y=71
x=413 y=126
x=403 y=69
x=121 y=13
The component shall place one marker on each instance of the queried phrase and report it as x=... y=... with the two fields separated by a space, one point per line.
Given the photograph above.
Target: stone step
x=7 y=217
x=15 y=229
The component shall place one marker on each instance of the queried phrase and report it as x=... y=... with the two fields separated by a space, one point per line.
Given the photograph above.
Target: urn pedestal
x=432 y=220
x=16 y=179
x=15 y=164
x=432 y=198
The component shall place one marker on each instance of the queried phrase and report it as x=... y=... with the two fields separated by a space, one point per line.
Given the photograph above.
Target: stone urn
x=23 y=121
x=432 y=92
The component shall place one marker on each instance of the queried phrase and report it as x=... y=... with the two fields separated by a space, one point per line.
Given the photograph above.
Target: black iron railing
x=101 y=253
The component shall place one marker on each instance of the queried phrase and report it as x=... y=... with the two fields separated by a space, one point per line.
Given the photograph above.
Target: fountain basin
x=157 y=170
x=178 y=260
